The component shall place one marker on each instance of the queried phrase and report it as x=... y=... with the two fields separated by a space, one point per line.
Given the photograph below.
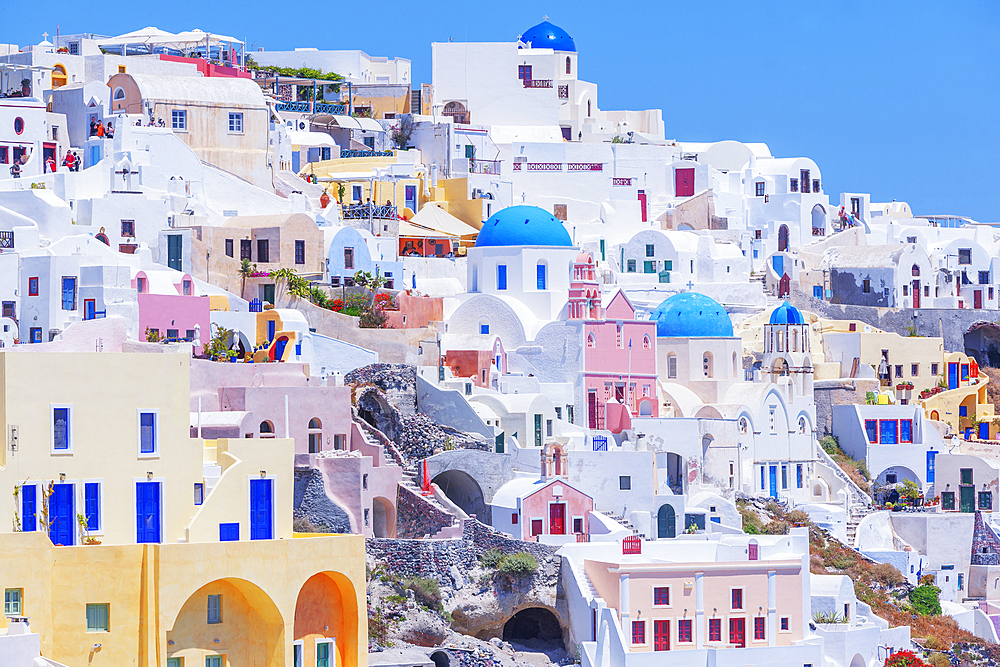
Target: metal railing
x=631 y=545
x=621 y=182
x=7 y=240
x=491 y=167
x=369 y=153
x=537 y=83
x=301 y=107
x=819 y=231
x=584 y=166
x=335 y=109
x=564 y=91
x=544 y=166
x=366 y=211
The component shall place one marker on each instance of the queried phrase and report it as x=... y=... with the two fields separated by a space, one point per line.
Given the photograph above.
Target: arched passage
x=464 y=491
x=326 y=609
x=440 y=659
x=533 y=626
x=666 y=522
x=782 y=238
x=858 y=661
x=383 y=518
x=982 y=341
x=241 y=622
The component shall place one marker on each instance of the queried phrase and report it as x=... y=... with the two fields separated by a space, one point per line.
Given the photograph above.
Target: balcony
x=543 y=166
x=369 y=211
x=564 y=91
x=357 y=153
x=584 y=166
x=819 y=231
x=621 y=182
x=537 y=83
x=299 y=107
x=490 y=167
x=335 y=109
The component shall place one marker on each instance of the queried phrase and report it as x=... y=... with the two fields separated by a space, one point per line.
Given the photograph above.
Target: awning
x=298 y=138
x=370 y=125
x=433 y=217
x=407 y=228
x=346 y=122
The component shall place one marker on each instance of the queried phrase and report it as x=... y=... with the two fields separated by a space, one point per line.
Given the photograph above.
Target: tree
x=246 y=270
x=402 y=132
x=295 y=284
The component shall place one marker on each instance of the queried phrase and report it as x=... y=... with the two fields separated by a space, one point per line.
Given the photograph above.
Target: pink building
x=619 y=365
x=540 y=510
x=169 y=307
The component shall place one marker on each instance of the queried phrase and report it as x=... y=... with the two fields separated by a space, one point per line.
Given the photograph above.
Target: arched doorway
x=383 y=518
x=782 y=238
x=440 y=659
x=218 y=618
x=533 y=627
x=819 y=220
x=326 y=620
x=666 y=522
x=464 y=491
x=458 y=111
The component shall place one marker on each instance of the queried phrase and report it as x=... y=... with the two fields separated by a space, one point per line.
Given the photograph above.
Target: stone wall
x=415 y=517
x=311 y=503
x=844 y=391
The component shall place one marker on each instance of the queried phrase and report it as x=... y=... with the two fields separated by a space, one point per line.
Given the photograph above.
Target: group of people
x=99 y=129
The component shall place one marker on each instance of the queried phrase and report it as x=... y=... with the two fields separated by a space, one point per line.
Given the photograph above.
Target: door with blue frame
x=261 y=514
x=147 y=512
x=773 y=480
x=62 y=515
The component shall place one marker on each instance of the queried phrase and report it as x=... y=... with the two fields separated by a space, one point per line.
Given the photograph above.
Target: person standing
x=50 y=164
x=15 y=169
x=93 y=127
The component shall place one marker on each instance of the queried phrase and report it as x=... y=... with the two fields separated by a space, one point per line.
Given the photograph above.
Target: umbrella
x=147 y=35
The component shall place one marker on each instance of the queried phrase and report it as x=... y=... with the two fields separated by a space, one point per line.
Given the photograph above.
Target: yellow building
x=273 y=603
x=99 y=448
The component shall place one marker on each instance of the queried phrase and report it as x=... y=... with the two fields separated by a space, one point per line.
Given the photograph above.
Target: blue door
x=930 y=466
x=952 y=376
x=773 y=473
x=295 y=161
x=95 y=155
x=89 y=309
x=28 y=521
x=411 y=197
x=270 y=329
x=778 y=261
x=260 y=510
x=984 y=431
x=279 y=349
x=147 y=512
x=62 y=515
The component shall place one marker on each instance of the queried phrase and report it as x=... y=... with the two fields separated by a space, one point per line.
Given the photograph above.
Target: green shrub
x=830 y=444
x=491 y=559
x=776 y=528
x=752 y=524
x=798 y=516
x=925 y=600
x=427 y=592
x=831 y=617
x=518 y=564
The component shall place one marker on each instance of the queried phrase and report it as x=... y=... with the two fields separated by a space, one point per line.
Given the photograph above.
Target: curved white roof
x=231 y=92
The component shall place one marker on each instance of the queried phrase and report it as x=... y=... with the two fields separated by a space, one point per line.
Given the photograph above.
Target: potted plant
x=233 y=355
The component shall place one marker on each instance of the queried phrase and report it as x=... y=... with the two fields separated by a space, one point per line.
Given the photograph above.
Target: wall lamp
x=62 y=477
x=263 y=474
x=149 y=475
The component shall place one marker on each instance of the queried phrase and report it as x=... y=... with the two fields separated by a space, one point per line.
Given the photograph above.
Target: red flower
x=338 y=305
x=904 y=659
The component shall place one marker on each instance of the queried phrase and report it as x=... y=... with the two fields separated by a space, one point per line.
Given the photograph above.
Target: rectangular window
x=235 y=122
x=98 y=618
x=186 y=287
x=548 y=428
x=638 y=632
x=984 y=277
x=245 y=249
x=899 y=370
x=906 y=430
x=914 y=370
x=484 y=328
x=649 y=267
x=985 y=500
x=147 y=431
x=92 y=505
x=625 y=483
x=661 y=595
x=33 y=286
x=784 y=623
x=760 y=188
x=178 y=119
x=175 y=662
x=69 y=293
x=871 y=430
x=128 y=228
x=36 y=334
x=934 y=369
x=650 y=250
x=323 y=653
x=215 y=609
x=630 y=266
x=804 y=176
x=758 y=628
x=524 y=72
x=672 y=366
x=784 y=477
x=199 y=493
x=172 y=334
x=300 y=252
x=887 y=431
x=867 y=286
x=715 y=629
x=798 y=476
x=501 y=276
x=684 y=630
x=229 y=247
x=262 y=251
x=578 y=526
x=348 y=258
x=737 y=598
x=793 y=185
x=61 y=441
x=214 y=661
x=966 y=476
x=947 y=500
x=965 y=255
x=540 y=276
x=12 y=601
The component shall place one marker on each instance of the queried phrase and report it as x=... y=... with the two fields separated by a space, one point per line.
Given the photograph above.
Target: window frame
x=99 y=483
x=300 y=251
x=759 y=628
x=714 y=633
x=988 y=496
x=638 y=632
x=658 y=592
x=685 y=631
x=33 y=286
x=7 y=610
x=236 y=122
x=107 y=617
x=331 y=656
x=155 y=452
x=624 y=482
x=217 y=618
x=68 y=449
x=736 y=598
x=178 y=120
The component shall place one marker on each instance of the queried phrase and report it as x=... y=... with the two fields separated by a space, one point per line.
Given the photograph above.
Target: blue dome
x=548 y=36
x=691 y=315
x=523 y=225
x=786 y=313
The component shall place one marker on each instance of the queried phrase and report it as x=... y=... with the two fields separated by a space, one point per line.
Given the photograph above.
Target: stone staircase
x=618 y=518
x=858 y=512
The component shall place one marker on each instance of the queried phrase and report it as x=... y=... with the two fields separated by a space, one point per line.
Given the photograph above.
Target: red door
x=642 y=203
x=661 y=635
x=738 y=632
x=592 y=409
x=684 y=182
x=557 y=519
x=916 y=293
x=977 y=299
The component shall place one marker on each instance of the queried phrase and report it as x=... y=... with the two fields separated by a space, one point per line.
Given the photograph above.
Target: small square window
x=661 y=595
x=966 y=475
x=98 y=618
x=536 y=527
x=128 y=228
x=214 y=609
x=625 y=483
x=965 y=255
x=178 y=119
x=578 y=526
x=630 y=266
x=12 y=601
x=235 y=122
x=33 y=286
x=650 y=250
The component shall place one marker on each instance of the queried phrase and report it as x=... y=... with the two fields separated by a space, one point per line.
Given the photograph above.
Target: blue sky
x=899 y=99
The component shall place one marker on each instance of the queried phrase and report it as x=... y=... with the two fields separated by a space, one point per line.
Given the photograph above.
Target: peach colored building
x=540 y=510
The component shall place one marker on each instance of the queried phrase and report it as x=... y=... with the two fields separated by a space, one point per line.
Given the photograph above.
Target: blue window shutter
x=92 y=505
x=69 y=293
x=60 y=428
x=147 y=430
x=28 y=521
x=229 y=532
x=930 y=465
x=906 y=430
x=540 y=276
x=501 y=276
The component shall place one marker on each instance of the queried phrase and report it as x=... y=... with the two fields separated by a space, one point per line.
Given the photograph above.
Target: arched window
x=802 y=424
x=119 y=93
x=645 y=342
x=591 y=342
x=540 y=276
x=671 y=365
x=736 y=369
x=588 y=108
x=795 y=340
x=915 y=271
x=315 y=435
x=706 y=364
x=569 y=65
x=781 y=340
x=58 y=76
x=744 y=426
x=752 y=550
x=266 y=429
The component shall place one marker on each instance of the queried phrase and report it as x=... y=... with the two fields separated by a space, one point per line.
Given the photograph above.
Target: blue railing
x=356 y=153
x=335 y=109
x=302 y=107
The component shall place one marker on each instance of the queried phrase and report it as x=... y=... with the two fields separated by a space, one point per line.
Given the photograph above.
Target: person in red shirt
x=70 y=160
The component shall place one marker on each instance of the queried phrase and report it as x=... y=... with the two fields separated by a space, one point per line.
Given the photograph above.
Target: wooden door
x=737 y=632
x=592 y=409
x=916 y=293
x=661 y=635
x=557 y=519
x=977 y=299
x=684 y=182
